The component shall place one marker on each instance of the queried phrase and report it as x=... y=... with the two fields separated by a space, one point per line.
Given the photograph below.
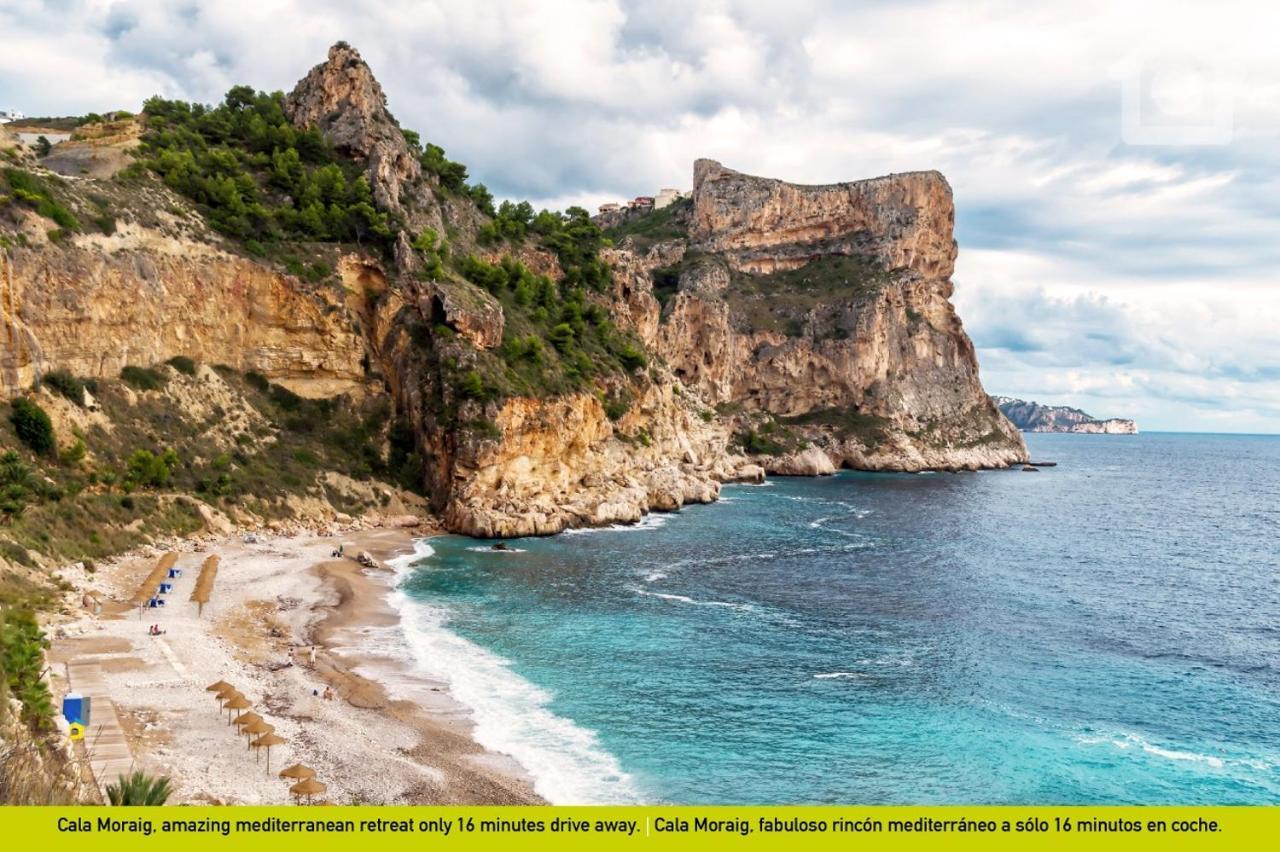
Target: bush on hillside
x=33 y=426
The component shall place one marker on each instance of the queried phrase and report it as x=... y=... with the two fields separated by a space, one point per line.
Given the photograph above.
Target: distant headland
x=1034 y=417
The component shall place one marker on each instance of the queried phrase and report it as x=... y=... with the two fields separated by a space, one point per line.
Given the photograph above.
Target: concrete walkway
x=108 y=750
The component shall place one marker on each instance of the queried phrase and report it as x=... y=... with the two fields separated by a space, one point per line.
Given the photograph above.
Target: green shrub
x=473 y=386
x=146 y=469
x=754 y=443
x=285 y=398
x=22 y=646
x=33 y=426
x=66 y=384
x=33 y=191
x=632 y=358
x=616 y=405
x=139 y=789
x=182 y=364
x=257 y=381
x=74 y=454
x=143 y=378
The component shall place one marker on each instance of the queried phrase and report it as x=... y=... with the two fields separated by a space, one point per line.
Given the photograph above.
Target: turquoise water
x=1107 y=631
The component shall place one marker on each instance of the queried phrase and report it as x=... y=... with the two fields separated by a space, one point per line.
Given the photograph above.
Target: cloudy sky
x=1115 y=165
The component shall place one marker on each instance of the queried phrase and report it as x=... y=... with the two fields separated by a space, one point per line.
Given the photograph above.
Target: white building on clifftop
x=666 y=197
x=7 y=116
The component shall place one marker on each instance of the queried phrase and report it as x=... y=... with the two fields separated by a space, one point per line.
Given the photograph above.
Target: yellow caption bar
x=651 y=827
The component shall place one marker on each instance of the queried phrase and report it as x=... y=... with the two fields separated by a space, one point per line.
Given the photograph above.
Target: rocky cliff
x=1034 y=417
x=820 y=315
x=96 y=305
x=546 y=378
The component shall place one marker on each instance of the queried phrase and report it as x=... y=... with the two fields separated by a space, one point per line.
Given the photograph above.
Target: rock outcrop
x=341 y=98
x=827 y=308
x=562 y=463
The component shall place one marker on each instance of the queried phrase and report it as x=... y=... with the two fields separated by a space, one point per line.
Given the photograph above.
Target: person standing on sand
x=313 y=656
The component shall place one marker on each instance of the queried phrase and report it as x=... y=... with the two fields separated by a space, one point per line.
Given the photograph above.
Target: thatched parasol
x=222 y=696
x=267 y=741
x=204 y=583
x=237 y=702
x=308 y=787
x=259 y=728
x=217 y=686
x=158 y=574
x=298 y=771
x=246 y=718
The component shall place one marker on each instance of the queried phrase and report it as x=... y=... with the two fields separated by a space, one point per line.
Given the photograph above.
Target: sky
x=1114 y=165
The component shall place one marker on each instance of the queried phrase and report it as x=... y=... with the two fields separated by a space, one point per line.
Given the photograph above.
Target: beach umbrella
x=258 y=729
x=246 y=719
x=217 y=686
x=225 y=694
x=267 y=741
x=298 y=771
x=308 y=787
x=238 y=702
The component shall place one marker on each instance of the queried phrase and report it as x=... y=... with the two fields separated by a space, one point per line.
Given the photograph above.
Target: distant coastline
x=1034 y=417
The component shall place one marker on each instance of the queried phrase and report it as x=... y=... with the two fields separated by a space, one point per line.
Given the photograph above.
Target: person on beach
x=313 y=656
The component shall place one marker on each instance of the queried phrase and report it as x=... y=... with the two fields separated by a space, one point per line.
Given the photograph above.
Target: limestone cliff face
x=93 y=310
x=827 y=307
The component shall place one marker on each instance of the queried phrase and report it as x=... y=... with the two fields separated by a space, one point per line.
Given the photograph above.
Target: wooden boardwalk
x=105 y=743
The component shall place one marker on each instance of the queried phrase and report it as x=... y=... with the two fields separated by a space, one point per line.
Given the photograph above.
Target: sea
x=1102 y=631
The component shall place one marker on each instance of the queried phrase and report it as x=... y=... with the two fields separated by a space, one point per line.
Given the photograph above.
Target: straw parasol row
x=262 y=735
x=204 y=583
x=158 y=575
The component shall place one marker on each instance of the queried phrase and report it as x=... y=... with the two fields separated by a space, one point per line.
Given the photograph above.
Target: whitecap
x=1125 y=740
x=651 y=521
x=839 y=676
x=685 y=599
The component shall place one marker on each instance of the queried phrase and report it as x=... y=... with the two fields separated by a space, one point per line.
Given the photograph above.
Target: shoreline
x=274 y=596
x=478 y=776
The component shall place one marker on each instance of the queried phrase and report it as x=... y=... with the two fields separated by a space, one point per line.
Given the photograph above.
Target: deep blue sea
x=1106 y=631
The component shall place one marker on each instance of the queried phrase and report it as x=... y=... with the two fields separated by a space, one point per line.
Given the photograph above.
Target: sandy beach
x=274 y=598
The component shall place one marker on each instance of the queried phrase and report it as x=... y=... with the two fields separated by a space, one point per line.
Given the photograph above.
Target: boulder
x=811 y=461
